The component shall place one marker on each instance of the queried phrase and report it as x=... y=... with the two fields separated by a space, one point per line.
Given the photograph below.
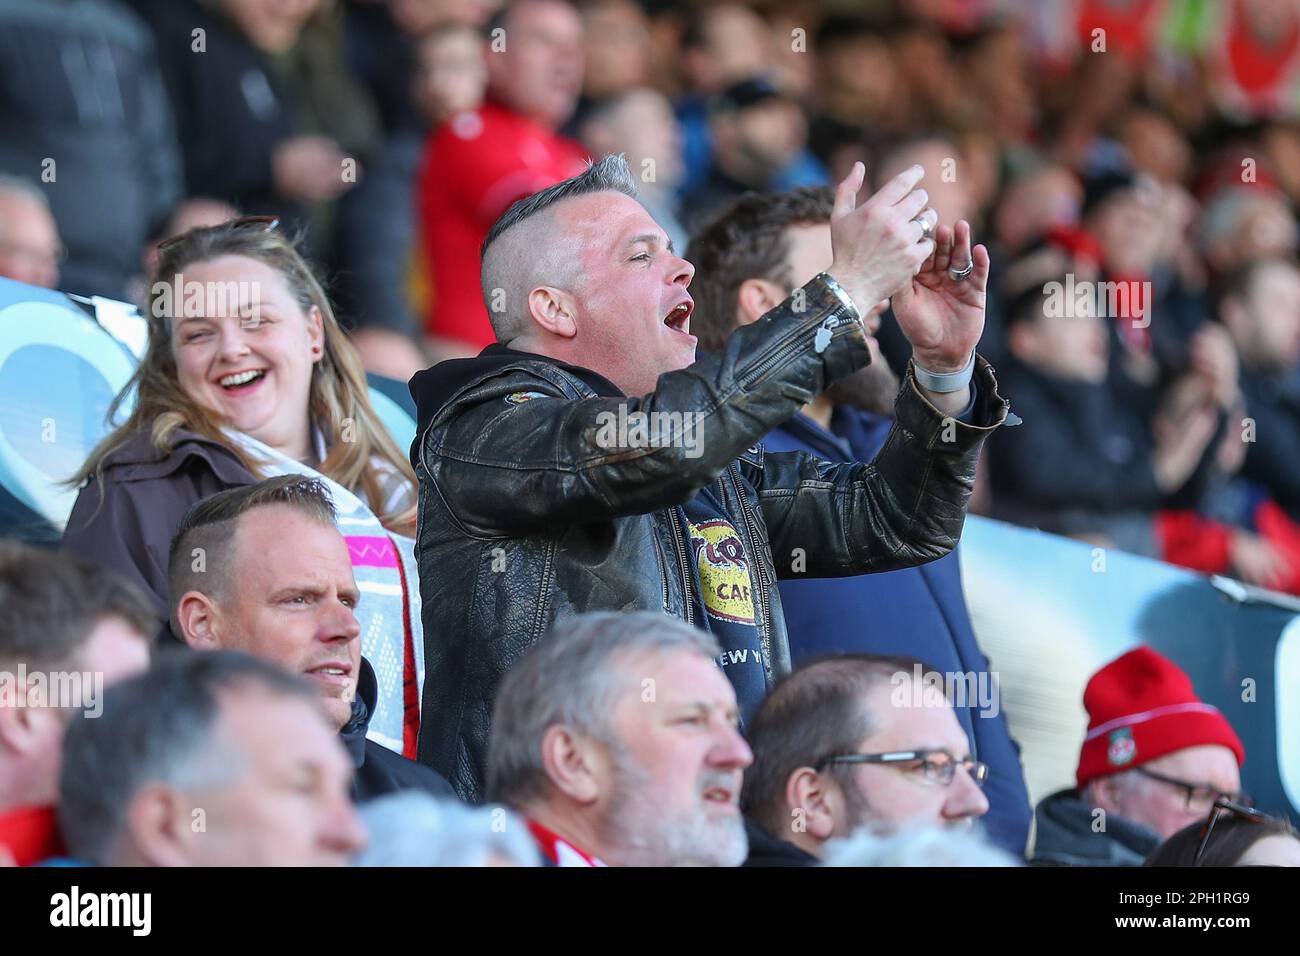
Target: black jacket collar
x=433 y=387
x=353 y=733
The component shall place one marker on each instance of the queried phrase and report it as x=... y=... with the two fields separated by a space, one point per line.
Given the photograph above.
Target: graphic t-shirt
x=727 y=602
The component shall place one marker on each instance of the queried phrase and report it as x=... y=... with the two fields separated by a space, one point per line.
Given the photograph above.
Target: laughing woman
x=248 y=375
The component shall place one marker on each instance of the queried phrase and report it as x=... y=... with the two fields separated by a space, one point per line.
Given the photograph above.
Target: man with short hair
x=68 y=628
x=208 y=760
x=757 y=132
x=1154 y=760
x=479 y=162
x=617 y=738
x=263 y=569
x=30 y=250
x=856 y=741
x=588 y=461
x=749 y=259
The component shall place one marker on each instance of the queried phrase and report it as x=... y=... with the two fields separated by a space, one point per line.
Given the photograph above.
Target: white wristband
x=945 y=381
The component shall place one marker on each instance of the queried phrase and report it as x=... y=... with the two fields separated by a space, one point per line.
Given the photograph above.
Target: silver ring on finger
x=961 y=275
x=927 y=227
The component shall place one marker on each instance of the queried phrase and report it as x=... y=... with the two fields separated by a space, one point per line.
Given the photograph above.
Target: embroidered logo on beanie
x=1122 y=748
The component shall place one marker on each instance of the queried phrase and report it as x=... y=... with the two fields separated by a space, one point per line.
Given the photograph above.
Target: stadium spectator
x=443 y=70
x=1034 y=202
x=640 y=125
x=247 y=375
x=757 y=133
x=616 y=737
x=616 y=48
x=535 y=501
x=479 y=163
x=30 y=250
x=748 y=260
x=451 y=72
x=83 y=110
x=262 y=569
x=208 y=760
x=1248 y=527
x=1233 y=835
x=850 y=742
x=1240 y=224
x=68 y=629
x=267 y=118
x=378 y=291
x=1260 y=308
x=1083 y=462
x=1154 y=760
x=414 y=829
x=720 y=45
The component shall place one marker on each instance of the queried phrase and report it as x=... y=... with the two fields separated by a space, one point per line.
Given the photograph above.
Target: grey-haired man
x=584 y=463
x=617 y=738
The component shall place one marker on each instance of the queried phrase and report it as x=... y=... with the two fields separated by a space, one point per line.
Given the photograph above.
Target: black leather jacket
x=526 y=515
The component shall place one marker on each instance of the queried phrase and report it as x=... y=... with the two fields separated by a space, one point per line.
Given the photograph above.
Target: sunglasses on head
x=256 y=223
x=1222 y=806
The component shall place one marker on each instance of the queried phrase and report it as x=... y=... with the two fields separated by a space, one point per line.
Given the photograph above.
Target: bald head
x=29 y=238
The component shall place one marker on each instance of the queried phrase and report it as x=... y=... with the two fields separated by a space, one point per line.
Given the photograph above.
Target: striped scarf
x=389 y=609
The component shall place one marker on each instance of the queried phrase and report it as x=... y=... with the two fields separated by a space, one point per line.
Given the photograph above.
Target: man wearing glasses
x=855 y=741
x=1154 y=760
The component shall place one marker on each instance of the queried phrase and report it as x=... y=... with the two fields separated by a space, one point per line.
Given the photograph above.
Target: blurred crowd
x=1132 y=169
x=1147 y=150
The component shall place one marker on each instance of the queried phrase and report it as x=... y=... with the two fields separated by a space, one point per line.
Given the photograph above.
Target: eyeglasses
x=264 y=224
x=1221 y=806
x=1200 y=797
x=936 y=766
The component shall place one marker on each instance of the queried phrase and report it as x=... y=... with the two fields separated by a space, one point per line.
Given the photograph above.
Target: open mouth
x=718 y=795
x=241 y=381
x=334 y=673
x=679 y=319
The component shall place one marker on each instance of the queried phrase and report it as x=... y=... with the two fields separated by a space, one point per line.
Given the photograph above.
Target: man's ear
x=572 y=764
x=161 y=827
x=755 y=298
x=1103 y=792
x=553 y=309
x=197 y=617
x=810 y=792
x=26 y=727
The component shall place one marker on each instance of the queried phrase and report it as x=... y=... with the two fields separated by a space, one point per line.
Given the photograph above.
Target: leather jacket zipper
x=663 y=567
x=759 y=564
x=687 y=590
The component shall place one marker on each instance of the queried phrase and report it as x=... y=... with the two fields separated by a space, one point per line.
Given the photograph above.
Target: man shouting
x=587 y=461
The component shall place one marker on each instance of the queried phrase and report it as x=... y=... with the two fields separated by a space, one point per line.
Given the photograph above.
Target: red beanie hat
x=1142 y=706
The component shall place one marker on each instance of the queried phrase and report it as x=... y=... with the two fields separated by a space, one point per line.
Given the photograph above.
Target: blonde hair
x=339 y=393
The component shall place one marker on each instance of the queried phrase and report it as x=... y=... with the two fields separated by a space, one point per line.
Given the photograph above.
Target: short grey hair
x=26 y=188
x=610 y=174
x=571 y=677
x=157 y=727
x=412 y=828
x=928 y=846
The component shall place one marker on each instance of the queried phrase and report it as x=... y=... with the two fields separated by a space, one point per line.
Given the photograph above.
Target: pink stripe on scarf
x=371 y=552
